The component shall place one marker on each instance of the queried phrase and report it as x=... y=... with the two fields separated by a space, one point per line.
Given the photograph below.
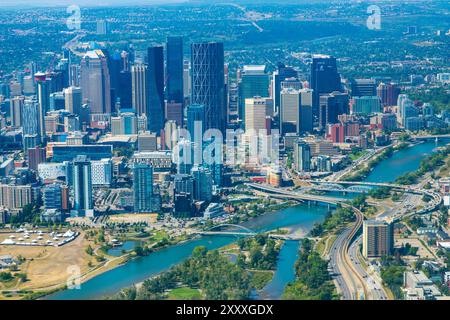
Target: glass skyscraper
x=155 y=87
x=175 y=69
x=143 y=187
x=208 y=83
x=254 y=82
x=324 y=78
x=82 y=186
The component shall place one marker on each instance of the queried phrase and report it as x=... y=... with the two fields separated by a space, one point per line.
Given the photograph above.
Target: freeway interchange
x=347 y=266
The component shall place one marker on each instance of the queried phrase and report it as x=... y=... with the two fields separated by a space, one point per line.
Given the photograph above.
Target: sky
x=9 y=3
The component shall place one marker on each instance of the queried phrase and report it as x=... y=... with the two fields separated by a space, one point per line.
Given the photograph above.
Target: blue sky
x=81 y=2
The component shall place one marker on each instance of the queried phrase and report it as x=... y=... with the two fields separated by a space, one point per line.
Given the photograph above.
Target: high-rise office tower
x=187 y=83
x=170 y=128
x=15 y=111
x=95 y=82
x=233 y=102
x=28 y=86
x=43 y=95
x=363 y=87
x=302 y=156
x=257 y=110
x=174 y=75
x=35 y=157
x=254 y=82
x=155 y=89
x=30 y=117
x=124 y=124
x=208 y=86
x=196 y=119
x=281 y=74
x=73 y=100
x=289 y=114
x=306 y=113
x=82 y=186
x=124 y=90
x=331 y=106
x=139 y=85
x=203 y=183
x=324 y=78
x=57 y=101
x=388 y=93
x=115 y=67
x=143 y=187
x=378 y=238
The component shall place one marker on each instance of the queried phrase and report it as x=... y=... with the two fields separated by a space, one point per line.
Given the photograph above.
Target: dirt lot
x=134 y=218
x=48 y=266
x=422 y=252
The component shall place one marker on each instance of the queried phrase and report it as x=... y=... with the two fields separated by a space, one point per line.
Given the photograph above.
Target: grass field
x=261 y=278
x=184 y=294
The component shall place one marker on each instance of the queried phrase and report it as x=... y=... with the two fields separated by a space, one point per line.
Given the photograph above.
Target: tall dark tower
x=324 y=78
x=208 y=83
x=175 y=70
x=155 y=89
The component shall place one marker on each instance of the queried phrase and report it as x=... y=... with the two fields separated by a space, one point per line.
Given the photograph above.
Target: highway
x=352 y=285
x=374 y=284
x=335 y=257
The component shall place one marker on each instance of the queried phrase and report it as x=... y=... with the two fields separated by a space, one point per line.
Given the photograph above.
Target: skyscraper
x=363 y=87
x=257 y=110
x=290 y=111
x=280 y=75
x=175 y=70
x=203 y=183
x=378 y=238
x=324 y=78
x=95 y=82
x=208 y=83
x=143 y=187
x=30 y=118
x=155 y=89
x=35 y=157
x=196 y=114
x=331 y=106
x=253 y=82
x=82 y=186
x=73 y=100
x=43 y=95
x=15 y=111
x=306 y=113
x=139 y=88
x=302 y=156
x=388 y=93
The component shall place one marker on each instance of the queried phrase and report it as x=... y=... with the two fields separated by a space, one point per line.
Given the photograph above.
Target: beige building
x=257 y=110
x=378 y=238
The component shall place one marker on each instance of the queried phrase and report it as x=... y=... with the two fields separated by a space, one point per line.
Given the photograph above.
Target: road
x=374 y=284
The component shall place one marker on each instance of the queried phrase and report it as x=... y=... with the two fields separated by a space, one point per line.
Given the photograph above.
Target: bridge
x=286 y=194
x=246 y=232
x=434 y=203
x=352 y=278
x=438 y=136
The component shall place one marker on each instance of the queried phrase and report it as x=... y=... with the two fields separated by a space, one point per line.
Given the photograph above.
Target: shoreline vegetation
x=143 y=251
x=318 y=228
x=209 y=274
x=363 y=171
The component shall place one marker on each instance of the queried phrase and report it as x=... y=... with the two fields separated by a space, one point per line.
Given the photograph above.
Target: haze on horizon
x=90 y=3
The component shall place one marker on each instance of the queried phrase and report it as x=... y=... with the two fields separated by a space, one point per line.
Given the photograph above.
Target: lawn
x=184 y=294
x=261 y=278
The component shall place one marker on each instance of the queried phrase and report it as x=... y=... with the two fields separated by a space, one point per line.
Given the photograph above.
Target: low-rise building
x=418 y=287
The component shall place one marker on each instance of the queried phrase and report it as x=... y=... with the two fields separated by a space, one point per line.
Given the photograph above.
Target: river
x=299 y=219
